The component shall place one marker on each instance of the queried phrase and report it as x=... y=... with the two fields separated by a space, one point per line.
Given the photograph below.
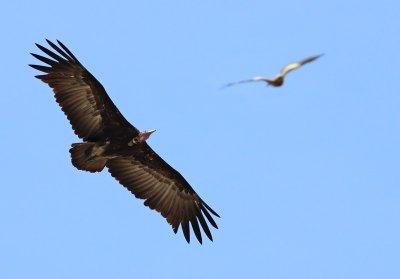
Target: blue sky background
x=305 y=177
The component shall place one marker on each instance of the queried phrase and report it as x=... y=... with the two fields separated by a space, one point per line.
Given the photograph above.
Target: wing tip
x=210 y=209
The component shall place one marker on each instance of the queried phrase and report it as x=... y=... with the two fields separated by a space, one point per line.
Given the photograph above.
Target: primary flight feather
x=109 y=140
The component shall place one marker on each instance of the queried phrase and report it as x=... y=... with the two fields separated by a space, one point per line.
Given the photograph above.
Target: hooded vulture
x=109 y=140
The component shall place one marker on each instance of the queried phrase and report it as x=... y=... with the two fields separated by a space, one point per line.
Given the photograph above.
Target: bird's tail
x=87 y=156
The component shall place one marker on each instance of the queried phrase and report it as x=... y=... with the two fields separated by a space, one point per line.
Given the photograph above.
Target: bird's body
x=109 y=140
x=279 y=79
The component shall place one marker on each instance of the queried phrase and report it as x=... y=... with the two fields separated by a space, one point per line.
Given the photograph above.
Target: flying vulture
x=278 y=80
x=109 y=140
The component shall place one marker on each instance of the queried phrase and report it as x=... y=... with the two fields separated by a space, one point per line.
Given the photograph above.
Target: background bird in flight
x=279 y=79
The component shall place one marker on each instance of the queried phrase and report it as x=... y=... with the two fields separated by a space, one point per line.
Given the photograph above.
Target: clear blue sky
x=305 y=177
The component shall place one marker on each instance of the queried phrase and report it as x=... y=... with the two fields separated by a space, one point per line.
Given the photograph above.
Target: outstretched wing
x=245 y=81
x=296 y=65
x=164 y=189
x=83 y=99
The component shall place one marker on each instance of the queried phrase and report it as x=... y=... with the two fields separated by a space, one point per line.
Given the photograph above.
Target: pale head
x=143 y=136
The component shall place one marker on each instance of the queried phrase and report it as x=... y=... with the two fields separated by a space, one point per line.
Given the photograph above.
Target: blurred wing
x=164 y=189
x=296 y=65
x=83 y=99
x=244 y=81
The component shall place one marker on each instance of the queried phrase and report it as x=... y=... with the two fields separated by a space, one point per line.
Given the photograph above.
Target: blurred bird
x=278 y=80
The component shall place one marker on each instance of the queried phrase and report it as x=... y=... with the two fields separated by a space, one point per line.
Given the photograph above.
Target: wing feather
x=296 y=65
x=92 y=114
x=164 y=190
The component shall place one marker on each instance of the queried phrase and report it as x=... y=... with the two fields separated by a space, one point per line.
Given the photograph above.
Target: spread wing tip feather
x=210 y=209
x=208 y=216
x=194 y=221
x=41 y=68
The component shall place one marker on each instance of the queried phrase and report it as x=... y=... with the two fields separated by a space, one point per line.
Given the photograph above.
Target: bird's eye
x=133 y=141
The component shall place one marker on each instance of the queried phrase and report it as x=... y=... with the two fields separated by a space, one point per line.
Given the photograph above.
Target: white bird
x=278 y=80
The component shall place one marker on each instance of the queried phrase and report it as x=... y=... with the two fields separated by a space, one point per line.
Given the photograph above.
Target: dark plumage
x=109 y=140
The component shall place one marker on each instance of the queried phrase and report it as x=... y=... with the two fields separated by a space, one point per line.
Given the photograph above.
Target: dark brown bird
x=109 y=140
x=279 y=79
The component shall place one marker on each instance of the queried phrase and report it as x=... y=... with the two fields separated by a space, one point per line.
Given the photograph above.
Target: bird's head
x=143 y=136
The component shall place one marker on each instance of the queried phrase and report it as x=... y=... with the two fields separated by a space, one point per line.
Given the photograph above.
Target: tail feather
x=84 y=157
